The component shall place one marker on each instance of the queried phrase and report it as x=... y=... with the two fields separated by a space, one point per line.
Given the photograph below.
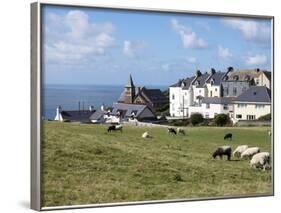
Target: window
x=226 y=91
x=259 y=106
x=200 y=91
x=251 y=117
x=234 y=91
x=173 y=97
x=216 y=89
x=239 y=116
x=207 y=106
x=211 y=94
x=242 y=105
x=225 y=107
x=207 y=115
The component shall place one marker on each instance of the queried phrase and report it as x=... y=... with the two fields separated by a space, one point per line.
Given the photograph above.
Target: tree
x=266 y=117
x=221 y=119
x=196 y=118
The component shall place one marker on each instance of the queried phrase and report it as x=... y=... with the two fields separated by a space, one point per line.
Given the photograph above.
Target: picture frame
x=37 y=101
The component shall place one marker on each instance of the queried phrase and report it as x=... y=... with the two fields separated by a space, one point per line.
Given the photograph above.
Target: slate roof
x=217 y=77
x=255 y=94
x=201 y=80
x=154 y=95
x=242 y=75
x=97 y=114
x=76 y=115
x=187 y=82
x=127 y=109
x=217 y=100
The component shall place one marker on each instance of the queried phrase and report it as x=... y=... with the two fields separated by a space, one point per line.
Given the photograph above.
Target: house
x=191 y=91
x=236 y=82
x=252 y=104
x=142 y=95
x=211 y=106
x=73 y=115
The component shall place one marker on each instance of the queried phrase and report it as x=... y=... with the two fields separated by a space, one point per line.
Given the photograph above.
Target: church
x=153 y=98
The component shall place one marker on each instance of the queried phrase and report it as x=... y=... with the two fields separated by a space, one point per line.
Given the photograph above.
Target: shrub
x=221 y=119
x=179 y=122
x=266 y=117
x=196 y=119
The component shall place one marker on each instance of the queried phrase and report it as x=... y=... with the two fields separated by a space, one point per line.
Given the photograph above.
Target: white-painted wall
x=181 y=100
x=212 y=111
x=213 y=91
x=250 y=109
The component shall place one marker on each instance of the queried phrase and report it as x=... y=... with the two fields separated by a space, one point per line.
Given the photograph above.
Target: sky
x=104 y=46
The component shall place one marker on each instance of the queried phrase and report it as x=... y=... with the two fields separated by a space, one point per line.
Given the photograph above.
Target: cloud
x=257 y=59
x=192 y=60
x=224 y=53
x=189 y=38
x=133 y=48
x=251 y=30
x=73 y=37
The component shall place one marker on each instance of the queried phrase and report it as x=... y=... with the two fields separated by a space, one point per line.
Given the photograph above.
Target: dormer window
x=197 y=83
x=247 y=78
x=236 y=78
x=183 y=84
x=212 y=81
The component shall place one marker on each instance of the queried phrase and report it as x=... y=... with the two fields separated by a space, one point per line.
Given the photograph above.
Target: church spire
x=130 y=82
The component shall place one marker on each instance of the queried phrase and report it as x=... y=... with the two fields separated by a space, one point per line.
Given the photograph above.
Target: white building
x=211 y=106
x=252 y=104
x=188 y=93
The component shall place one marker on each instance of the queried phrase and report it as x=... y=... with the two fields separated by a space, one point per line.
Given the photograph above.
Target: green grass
x=83 y=164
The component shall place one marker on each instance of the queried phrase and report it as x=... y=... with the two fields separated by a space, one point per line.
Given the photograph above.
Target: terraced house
x=218 y=92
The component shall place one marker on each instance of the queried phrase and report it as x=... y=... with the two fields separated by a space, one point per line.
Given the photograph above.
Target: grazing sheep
x=248 y=153
x=172 y=131
x=222 y=150
x=239 y=150
x=180 y=131
x=111 y=128
x=261 y=159
x=269 y=133
x=119 y=127
x=146 y=135
x=228 y=136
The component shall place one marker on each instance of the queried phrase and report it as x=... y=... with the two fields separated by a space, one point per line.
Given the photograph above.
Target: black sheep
x=223 y=150
x=172 y=131
x=111 y=128
x=228 y=136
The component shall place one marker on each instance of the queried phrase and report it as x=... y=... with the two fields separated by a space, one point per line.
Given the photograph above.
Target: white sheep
x=248 y=153
x=119 y=127
x=146 y=135
x=261 y=159
x=180 y=131
x=239 y=150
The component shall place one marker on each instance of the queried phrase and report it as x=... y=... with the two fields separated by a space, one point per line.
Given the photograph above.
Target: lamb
x=239 y=150
x=146 y=135
x=248 y=153
x=222 y=150
x=261 y=159
x=180 y=131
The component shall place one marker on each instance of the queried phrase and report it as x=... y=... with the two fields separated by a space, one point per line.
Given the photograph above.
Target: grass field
x=83 y=164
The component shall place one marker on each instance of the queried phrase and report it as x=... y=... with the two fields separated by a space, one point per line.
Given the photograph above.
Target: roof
x=130 y=82
x=122 y=97
x=76 y=115
x=184 y=83
x=97 y=114
x=218 y=100
x=128 y=109
x=255 y=94
x=217 y=78
x=242 y=75
x=154 y=95
x=201 y=80
x=267 y=74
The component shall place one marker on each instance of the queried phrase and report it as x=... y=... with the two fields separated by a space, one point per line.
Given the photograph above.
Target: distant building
x=73 y=115
x=252 y=104
x=142 y=96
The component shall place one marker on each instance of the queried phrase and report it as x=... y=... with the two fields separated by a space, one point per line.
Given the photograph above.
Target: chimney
x=91 y=108
x=258 y=69
x=213 y=71
x=230 y=69
x=58 y=110
x=198 y=73
x=102 y=107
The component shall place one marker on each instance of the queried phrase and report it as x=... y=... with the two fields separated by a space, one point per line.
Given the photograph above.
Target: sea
x=69 y=97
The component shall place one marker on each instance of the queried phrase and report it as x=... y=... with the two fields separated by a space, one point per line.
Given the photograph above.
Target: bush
x=221 y=119
x=179 y=122
x=266 y=117
x=196 y=119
